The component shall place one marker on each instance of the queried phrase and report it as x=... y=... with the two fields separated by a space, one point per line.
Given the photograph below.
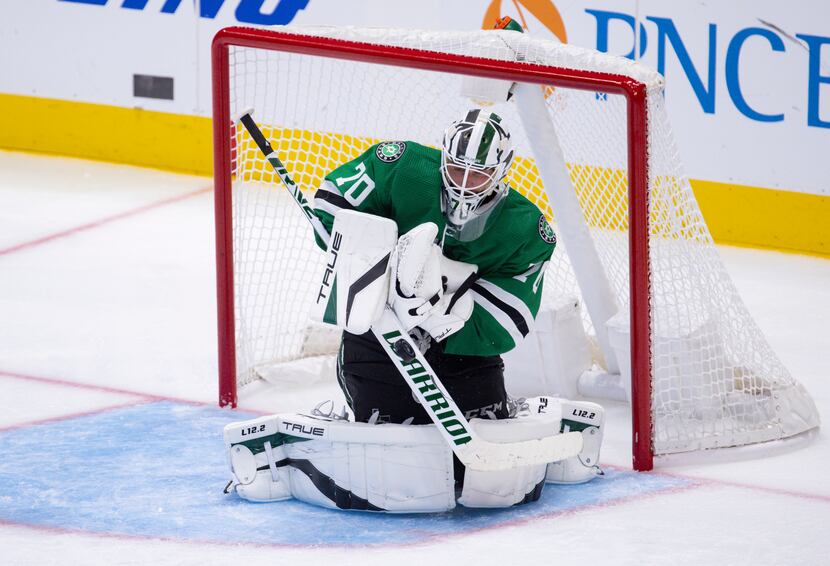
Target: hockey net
x=707 y=377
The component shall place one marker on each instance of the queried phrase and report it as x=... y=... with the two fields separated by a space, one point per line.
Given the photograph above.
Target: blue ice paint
x=158 y=470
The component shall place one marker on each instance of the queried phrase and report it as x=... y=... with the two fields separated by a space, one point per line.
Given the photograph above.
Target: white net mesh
x=715 y=380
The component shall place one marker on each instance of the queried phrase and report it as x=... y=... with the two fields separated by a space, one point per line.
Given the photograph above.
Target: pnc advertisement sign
x=747 y=82
x=663 y=37
x=747 y=85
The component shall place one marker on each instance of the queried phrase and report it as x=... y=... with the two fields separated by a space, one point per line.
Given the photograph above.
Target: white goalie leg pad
x=502 y=488
x=579 y=416
x=254 y=449
x=505 y=488
x=373 y=477
x=358 y=466
x=354 y=286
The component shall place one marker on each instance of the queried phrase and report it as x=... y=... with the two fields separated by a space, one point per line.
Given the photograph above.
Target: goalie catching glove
x=428 y=289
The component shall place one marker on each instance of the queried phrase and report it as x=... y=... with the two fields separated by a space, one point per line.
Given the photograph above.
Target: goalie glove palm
x=418 y=269
x=417 y=287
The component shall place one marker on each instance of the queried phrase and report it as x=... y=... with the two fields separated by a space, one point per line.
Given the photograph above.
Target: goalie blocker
x=400 y=468
x=355 y=282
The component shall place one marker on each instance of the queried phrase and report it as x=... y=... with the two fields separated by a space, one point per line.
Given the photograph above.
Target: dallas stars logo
x=390 y=151
x=545 y=231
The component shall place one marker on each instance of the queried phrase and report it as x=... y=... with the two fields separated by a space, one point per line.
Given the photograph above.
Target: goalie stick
x=472 y=450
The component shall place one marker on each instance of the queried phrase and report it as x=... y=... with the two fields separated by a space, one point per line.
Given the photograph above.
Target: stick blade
x=484 y=456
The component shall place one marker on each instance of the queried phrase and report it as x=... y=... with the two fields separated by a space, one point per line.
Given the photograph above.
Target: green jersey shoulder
x=400 y=180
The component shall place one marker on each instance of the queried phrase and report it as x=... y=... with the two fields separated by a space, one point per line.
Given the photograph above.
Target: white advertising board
x=748 y=82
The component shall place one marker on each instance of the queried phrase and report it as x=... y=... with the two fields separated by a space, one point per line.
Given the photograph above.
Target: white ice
x=123 y=298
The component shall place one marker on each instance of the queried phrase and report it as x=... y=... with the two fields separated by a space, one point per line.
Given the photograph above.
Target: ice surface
x=117 y=312
x=165 y=469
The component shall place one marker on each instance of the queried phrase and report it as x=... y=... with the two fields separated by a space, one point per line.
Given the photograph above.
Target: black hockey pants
x=371 y=382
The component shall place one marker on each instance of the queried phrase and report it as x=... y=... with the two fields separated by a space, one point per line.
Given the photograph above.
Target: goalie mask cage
x=702 y=374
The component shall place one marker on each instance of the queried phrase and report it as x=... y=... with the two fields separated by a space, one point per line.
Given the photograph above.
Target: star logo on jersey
x=545 y=231
x=390 y=151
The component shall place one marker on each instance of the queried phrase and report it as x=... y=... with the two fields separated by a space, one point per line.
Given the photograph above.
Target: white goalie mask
x=476 y=155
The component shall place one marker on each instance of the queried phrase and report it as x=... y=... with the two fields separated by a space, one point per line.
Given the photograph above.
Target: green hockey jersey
x=402 y=181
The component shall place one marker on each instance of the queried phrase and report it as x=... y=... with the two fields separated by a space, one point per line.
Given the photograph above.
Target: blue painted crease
x=158 y=470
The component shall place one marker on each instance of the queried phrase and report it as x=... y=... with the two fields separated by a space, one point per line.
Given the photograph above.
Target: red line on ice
x=102 y=388
x=773 y=490
x=142 y=397
x=102 y=221
x=69 y=416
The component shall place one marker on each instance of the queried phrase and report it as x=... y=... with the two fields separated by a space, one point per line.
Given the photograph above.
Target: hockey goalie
x=436 y=244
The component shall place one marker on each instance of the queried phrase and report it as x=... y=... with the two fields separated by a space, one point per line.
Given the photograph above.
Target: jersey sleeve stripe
x=508 y=317
x=501 y=318
x=335 y=200
x=522 y=311
x=328 y=199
